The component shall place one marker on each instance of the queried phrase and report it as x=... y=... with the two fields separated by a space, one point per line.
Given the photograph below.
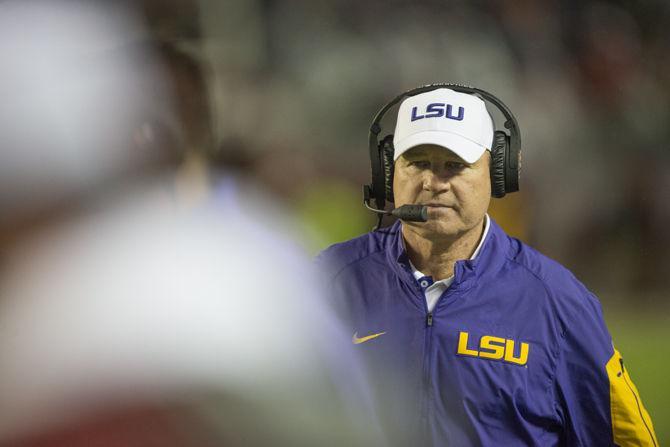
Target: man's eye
x=455 y=165
x=421 y=164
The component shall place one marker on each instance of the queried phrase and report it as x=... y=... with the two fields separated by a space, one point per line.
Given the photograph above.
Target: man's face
x=457 y=193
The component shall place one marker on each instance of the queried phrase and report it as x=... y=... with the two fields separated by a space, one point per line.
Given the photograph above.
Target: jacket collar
x=491 y=255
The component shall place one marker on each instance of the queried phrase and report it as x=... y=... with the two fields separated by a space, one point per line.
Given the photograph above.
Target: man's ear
x=487 y=154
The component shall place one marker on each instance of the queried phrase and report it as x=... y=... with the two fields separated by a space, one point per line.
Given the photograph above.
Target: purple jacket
x=516 y=351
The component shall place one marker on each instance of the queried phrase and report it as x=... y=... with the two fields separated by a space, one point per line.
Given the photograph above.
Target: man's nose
x=436 y=181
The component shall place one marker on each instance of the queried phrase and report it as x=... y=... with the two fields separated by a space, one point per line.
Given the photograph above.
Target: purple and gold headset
x=505 y=155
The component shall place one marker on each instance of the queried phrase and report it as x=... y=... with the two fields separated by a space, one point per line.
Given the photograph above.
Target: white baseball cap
x=456 y=121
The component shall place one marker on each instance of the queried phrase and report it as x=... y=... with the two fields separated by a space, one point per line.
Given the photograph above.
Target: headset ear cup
x=512 y=169
x=387 y=160
x=498 y=155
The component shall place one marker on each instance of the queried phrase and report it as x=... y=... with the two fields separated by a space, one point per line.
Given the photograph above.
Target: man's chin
x=434 y=229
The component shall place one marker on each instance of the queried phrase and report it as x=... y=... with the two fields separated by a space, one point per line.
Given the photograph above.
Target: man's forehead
x=424 y=150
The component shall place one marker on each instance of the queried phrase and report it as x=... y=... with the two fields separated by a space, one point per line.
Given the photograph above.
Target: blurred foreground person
x=142 y=325
x=143 y=301
x=494 y=343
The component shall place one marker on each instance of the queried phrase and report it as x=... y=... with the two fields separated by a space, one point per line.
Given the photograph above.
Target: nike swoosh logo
x=358 y=341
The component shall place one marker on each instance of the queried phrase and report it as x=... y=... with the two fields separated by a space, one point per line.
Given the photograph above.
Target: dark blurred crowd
x=285 y=91
x=589 y=82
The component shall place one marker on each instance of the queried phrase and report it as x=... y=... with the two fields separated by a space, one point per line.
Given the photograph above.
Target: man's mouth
x=436 y=205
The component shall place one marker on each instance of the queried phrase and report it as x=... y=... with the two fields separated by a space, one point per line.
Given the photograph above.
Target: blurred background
x=283 y=92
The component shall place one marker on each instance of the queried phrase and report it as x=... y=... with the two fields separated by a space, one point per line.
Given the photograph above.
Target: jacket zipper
x=425 y=371
x=427 y=380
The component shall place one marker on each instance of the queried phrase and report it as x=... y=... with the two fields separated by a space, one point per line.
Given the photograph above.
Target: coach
x=473 y=338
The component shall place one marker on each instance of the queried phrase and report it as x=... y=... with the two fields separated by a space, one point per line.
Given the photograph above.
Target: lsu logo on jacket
x=493 y=348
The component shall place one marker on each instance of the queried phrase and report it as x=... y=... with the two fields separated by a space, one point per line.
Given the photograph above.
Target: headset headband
x=375 y=129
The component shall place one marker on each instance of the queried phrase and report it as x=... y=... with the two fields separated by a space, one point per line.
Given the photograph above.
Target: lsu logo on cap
x=438 y=110
x=494 y=348
x=443 y=117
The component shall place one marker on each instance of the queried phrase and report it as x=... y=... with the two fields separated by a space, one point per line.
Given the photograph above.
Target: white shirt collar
x=481 y=241
x=418 y=275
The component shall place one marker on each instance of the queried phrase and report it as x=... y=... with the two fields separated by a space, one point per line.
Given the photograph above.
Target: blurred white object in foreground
x=75 y=87
x=139 y=303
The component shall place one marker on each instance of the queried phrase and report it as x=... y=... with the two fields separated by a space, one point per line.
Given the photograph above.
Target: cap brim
x=464 y=148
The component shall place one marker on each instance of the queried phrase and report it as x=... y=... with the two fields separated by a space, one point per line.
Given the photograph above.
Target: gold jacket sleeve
x=631 y=424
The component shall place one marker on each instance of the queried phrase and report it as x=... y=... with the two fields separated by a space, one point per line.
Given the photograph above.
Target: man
x=473 y=337
x=130 y=309
x=140 y=322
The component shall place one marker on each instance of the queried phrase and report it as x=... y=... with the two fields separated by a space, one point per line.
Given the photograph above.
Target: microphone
x=410 y=213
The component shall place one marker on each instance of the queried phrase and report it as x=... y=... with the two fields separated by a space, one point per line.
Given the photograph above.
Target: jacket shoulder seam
x=349 y=264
